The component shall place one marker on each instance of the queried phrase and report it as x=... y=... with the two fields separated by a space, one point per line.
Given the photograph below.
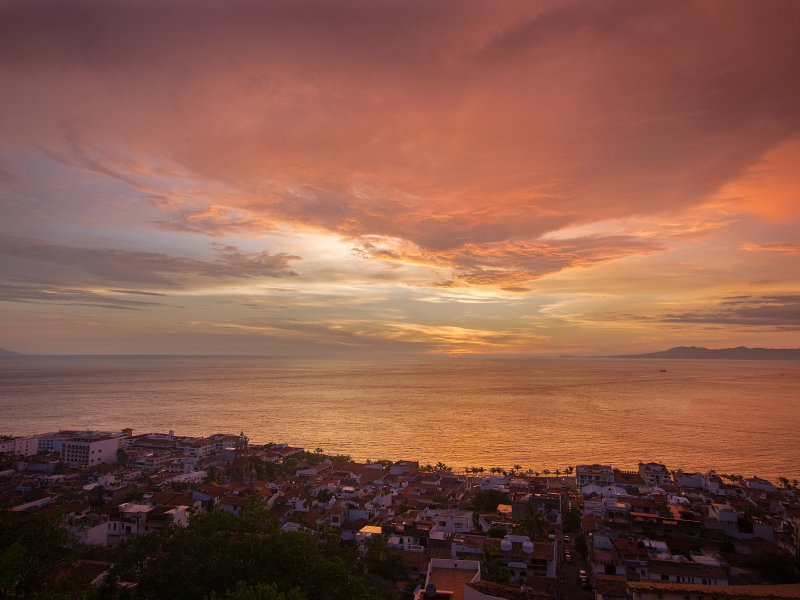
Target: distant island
x=4 y=352
x=740 y=353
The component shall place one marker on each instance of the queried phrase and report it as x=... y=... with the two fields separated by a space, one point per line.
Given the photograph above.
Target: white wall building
x=600 y=475
x=448 y=520
x=22 y=446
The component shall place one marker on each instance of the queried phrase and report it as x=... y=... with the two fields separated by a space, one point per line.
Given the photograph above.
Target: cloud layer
x=506 y=151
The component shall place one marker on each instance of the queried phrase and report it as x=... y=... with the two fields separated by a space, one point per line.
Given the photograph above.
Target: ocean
x=733 y=416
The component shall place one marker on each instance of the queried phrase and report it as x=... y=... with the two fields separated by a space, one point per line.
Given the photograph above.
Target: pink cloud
x=480 y=125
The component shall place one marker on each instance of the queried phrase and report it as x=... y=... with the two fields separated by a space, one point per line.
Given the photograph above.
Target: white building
x=448 y=520
x=600 y=475
x=21 y=446
x=654 y=474
x=86 y=449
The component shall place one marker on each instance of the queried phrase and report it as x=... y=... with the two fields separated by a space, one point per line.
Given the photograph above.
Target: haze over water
x=733 y=416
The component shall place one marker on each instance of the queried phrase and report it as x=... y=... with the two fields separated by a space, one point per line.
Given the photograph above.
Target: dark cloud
x=779 y=311
x=74 y=297
x=111 y=264
x=137 y=292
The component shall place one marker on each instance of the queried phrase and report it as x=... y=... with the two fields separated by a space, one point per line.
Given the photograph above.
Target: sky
x=316 y=178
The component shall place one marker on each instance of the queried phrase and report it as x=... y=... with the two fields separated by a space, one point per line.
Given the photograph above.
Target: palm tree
x=212 y=475
x=569 y=470
x=546 y=472
x=784 y=482
x=494 y=567
x=533 y=524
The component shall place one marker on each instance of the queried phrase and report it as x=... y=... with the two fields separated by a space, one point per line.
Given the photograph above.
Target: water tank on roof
x=527 y=547
x=506 y=545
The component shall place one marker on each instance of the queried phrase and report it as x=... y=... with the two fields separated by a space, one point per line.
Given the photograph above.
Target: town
x=418 y=531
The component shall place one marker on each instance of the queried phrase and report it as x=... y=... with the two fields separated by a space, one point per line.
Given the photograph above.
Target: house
x=446 y=579
x=234 y=504
x=448 y=519
x=601 y=475
x=20 y=446
x=685 y=571
x=651 y=590
x=654 y=474
x=532 y=590
x=525 y=557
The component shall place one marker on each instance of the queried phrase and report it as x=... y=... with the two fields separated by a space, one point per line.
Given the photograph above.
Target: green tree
x=219 y=551
x=532 y=523
x=33 y=548
x=488 y=500
x=571 y=520
x=384 y=561
x=776 y=567
x=260 y=591
x=494 y=568
x=212 y=475
x=496 y=532
x=581 y=546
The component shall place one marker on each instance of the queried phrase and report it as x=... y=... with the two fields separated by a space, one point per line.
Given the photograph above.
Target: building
x=21 y=446
x=649 y=590
x=448 y=519
x=85 y=449
x=600 y=475
x=655 y=474
x=446 y=579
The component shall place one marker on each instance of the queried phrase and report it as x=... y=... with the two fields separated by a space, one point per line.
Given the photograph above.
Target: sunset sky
x=377 y=177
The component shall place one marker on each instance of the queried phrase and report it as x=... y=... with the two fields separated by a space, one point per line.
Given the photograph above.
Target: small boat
x=662 y=370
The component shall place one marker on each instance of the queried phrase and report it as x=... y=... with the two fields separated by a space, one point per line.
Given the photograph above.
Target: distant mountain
x=740 y=353
x=4 y=352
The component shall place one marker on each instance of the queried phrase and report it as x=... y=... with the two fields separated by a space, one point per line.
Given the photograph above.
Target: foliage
x=581 y=546
x=776 y=567
x=384 y=561
x=571 y=520
x=225 y=557
x=487 y=500
x=442 y=501
x=33 y=548
x=133 y=495
x=532 y=523
x=496 y=532
x=494 y=568
x=260 y=591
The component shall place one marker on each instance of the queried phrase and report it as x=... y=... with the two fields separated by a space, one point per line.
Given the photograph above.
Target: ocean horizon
x=540 y=413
